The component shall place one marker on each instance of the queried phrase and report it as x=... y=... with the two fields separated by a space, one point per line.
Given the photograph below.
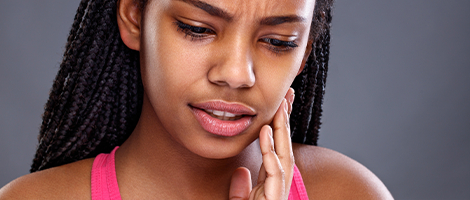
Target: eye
x=279 y=46
x=195 y=32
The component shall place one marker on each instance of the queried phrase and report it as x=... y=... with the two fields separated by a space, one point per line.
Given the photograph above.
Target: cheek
x=274 y=80
x=170 y=66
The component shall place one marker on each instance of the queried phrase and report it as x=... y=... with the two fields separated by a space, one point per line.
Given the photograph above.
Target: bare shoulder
x=71 y=181
x=328 y=174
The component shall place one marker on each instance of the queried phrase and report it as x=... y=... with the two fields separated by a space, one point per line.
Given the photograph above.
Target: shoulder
x=70 y=181
x=328 y=174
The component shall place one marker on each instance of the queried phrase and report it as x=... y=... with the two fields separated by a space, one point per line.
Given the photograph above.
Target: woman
x=186 y=88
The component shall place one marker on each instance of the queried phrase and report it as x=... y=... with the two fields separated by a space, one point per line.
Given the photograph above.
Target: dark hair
x=96 y=98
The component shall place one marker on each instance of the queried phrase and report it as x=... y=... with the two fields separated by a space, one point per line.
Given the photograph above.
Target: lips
x=223 y=119
x=222 y=115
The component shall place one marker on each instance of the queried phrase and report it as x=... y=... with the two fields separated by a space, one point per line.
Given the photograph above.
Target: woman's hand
x=275 y=175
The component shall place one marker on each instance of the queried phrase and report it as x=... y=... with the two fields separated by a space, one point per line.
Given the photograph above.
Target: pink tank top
x=104 y=185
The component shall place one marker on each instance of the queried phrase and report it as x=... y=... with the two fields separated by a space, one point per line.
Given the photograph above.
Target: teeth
x=223 y=115
x=218 y=113
x=227 y=114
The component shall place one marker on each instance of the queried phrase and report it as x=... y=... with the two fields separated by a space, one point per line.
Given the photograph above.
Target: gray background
x=397 y=97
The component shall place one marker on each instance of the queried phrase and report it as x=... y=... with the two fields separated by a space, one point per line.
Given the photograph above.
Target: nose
x=233 y=66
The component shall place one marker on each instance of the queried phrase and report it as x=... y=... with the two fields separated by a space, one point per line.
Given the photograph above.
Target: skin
x=169 y=155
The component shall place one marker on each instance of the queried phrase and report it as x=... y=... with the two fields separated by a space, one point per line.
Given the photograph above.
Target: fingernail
x=285 y=105
x=270 y=133
x=291 y=98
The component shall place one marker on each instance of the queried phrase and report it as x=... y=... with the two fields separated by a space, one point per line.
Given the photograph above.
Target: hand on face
x=275 y=176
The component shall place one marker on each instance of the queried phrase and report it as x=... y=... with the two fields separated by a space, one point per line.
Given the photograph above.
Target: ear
x=128 y=18
x=308 y=50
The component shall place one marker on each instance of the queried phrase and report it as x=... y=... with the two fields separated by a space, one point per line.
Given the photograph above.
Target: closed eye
x=195 y=32
x=279 y=46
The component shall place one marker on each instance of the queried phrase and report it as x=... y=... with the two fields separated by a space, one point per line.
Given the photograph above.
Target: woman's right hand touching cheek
x=275 y=176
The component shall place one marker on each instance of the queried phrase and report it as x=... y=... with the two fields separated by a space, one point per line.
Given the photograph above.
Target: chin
x=217 y=147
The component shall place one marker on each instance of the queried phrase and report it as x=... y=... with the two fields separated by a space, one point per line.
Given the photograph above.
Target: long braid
x=67 y=126
x=70 y=39
x=84 y=108
x=310 y=84
x=322 y=52
x=72 y=61
x=96 y=98
x=58 y=87
x=89 y=122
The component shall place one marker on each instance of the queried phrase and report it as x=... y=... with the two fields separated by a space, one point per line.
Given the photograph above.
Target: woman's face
x=200 y=59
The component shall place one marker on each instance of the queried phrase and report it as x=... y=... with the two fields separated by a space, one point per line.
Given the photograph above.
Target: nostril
x=221 y=83
x=244 y=86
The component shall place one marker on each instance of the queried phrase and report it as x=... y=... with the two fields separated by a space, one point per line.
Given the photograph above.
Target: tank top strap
x=104 y=185
x=297 y=189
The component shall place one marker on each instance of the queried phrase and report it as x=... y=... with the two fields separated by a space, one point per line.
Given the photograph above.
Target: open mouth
x=223 y=119
x=222 y=115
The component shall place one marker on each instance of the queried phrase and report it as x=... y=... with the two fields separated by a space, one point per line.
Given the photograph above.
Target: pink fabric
x=297 y=189
x=104 y=185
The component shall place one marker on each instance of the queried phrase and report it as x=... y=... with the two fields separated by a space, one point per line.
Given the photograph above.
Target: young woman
x=191 y=99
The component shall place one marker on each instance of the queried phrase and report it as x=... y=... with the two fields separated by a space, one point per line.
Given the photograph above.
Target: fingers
x=240 y=185
x=261 y=175
x=276 y=172
x=290 y=99
x=282 y=141
x=281 y=126
x=281 y=168
x=274 y=180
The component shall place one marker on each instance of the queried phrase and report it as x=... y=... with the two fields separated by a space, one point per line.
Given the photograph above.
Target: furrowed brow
x=276 y=20
x=210 y=9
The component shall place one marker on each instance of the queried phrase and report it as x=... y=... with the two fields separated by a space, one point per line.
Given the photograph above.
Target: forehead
x=254 y=8
x=276 y=6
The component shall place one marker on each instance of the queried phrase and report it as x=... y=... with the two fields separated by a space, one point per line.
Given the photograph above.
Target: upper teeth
x=221 y=114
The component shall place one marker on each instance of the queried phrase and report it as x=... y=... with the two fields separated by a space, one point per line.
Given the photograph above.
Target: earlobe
x=129 y=18
x=308 y=50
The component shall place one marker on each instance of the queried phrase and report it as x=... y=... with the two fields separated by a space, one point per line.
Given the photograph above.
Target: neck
x=152 y=161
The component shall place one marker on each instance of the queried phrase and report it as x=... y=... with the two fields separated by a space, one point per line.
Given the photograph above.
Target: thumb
x=240 y=186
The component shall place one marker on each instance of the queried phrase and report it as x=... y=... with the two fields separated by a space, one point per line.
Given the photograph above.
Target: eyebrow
x=276 y=20
x=212 y=10
x=219 y=12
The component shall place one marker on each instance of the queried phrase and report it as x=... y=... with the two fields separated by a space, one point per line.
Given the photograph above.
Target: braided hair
x=96 y=99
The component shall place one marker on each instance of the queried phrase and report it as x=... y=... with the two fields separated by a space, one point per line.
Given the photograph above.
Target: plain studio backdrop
x=397 y=95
